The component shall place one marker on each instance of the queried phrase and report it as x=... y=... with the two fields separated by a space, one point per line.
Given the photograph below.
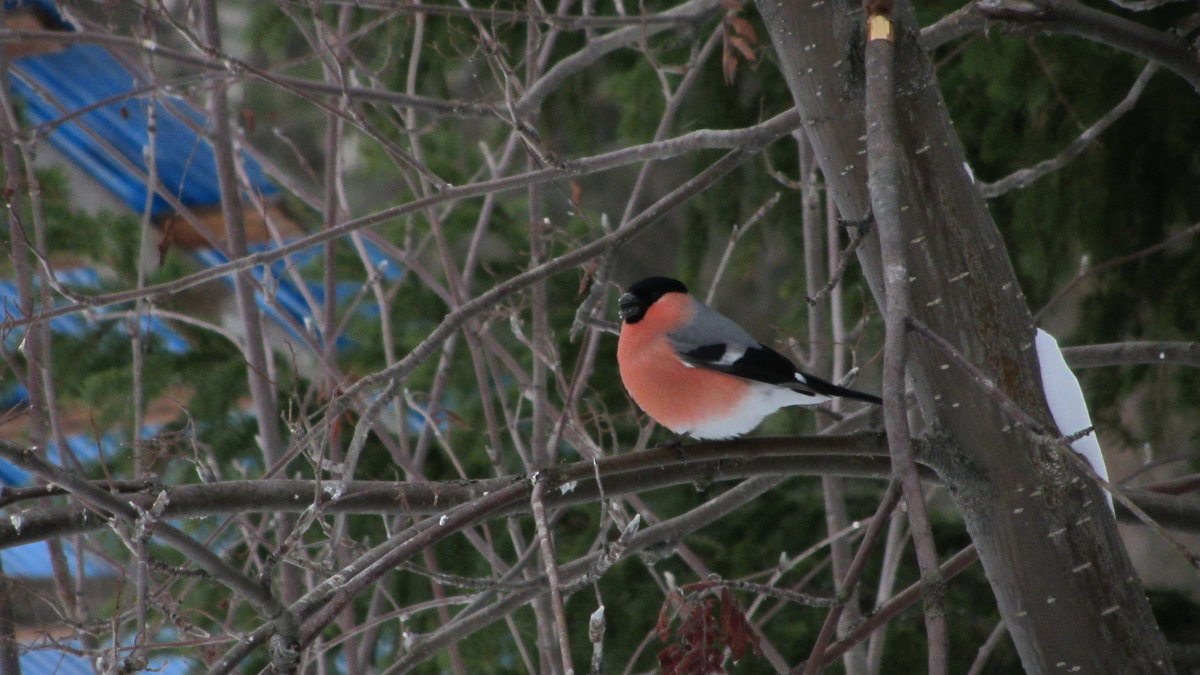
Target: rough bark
x=1062 y=579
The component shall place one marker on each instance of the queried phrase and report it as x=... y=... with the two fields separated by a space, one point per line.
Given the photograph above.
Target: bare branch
x=636 y=471
x=843 y=262
x=884 y=150
x=898 y=603
x=1131 y=353
x=783 y=594
x=1088 y=270
x=1023 y=177
x=550 y=567
x=278 y=617
x=599 y=47
x=746 y=140
x=988 y=646
x=562 y=21
x=963 y=21
x=853 y=574
x=1068 y=16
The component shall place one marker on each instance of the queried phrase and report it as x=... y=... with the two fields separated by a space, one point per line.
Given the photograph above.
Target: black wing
x=758 y=362
x=763 y=364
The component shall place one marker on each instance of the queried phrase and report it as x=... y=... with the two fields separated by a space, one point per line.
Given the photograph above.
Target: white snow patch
x=1067 y=405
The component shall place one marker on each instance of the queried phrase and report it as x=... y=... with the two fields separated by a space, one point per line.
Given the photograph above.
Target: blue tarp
x=77 y=325
x=110 y=137
x=287 y=296
x=108 y=134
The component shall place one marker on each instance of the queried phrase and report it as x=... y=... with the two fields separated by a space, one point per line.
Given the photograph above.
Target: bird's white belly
x=763 y=400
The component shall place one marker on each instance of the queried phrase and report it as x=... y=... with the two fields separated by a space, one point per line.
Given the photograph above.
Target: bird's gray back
x=709 y=327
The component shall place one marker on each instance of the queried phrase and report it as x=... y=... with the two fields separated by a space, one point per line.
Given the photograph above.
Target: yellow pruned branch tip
x=879 y=27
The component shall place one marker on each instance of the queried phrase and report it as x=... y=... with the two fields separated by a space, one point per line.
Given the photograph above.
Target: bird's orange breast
x=675 y=395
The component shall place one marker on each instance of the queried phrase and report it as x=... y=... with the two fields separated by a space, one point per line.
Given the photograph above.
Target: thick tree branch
x=1073 y=18
x=861 y=455
x=857 y=455
x=279 y=617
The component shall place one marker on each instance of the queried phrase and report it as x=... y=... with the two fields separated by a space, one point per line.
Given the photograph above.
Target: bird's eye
x=630 y=307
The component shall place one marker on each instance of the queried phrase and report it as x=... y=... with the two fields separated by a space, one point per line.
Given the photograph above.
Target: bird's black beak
x=629 y=307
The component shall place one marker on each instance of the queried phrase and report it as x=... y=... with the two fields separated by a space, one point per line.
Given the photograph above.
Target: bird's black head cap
x=641 y=295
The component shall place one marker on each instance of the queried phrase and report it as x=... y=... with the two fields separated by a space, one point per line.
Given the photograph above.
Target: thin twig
x=783 y=594
x=1074 y=18
x=277 y=616
x=745 y=141
x=815 y=229
x=667 y=119
x=961 y=22
x=261 y=389
x=595 y=49
x=989 y=645
x=1024 y=177
x=735 y=235
x=898 y=603
x=856 y=238
x=889 y=500
x=1109 y=264
x=1131 y=353
x=493 y=15
x=893 y=553
x=550 y=566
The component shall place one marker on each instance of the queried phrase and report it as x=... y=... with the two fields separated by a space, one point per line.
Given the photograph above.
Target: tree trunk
x=1062 y=579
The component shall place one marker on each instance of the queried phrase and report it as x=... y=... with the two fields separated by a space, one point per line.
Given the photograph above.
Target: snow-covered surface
x=1067 y=404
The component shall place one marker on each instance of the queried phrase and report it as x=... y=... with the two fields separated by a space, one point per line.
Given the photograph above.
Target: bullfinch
x=698 y=373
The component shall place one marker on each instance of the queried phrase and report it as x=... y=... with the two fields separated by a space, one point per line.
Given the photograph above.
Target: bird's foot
x=676 y=444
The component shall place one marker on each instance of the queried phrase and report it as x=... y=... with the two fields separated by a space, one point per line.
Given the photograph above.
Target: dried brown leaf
x=743 y=28
x=743 y=48
x=669 y=609
x=164 y=244
x=729 y=63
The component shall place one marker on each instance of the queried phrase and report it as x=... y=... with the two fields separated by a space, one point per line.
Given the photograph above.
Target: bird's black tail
x=829 y=389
